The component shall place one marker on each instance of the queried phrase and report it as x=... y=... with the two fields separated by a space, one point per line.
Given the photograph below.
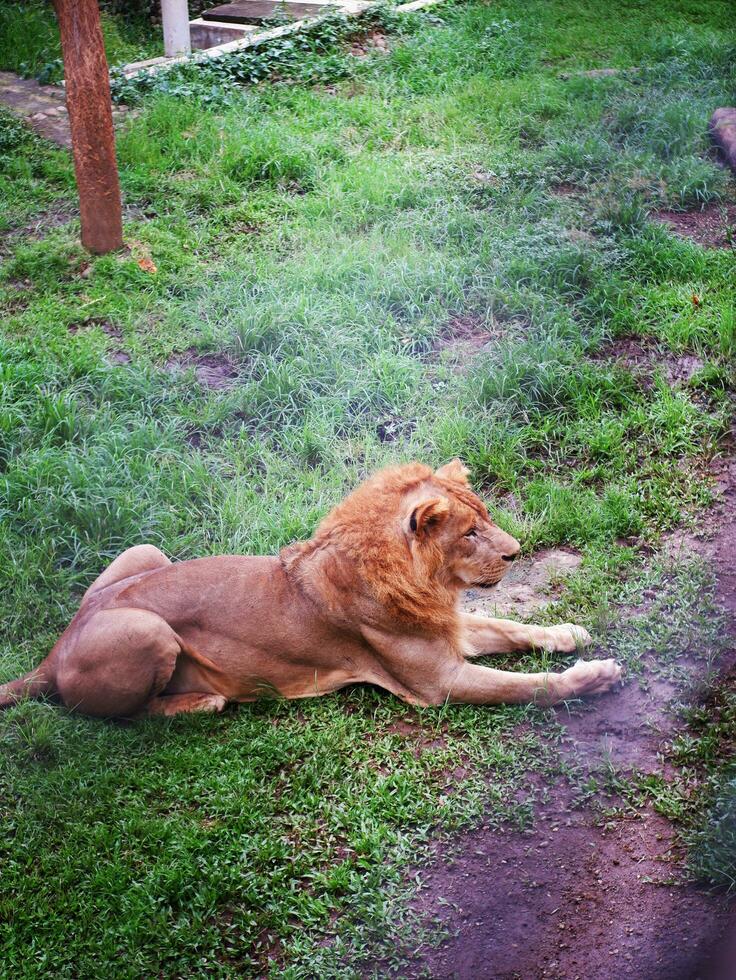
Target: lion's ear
x=428 y=515
x=455 y=470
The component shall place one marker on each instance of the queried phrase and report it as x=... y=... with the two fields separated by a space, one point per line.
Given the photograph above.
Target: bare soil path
x=579 y=898
x=42 y=107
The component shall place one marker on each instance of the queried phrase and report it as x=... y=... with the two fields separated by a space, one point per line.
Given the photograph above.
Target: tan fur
x=371 y=597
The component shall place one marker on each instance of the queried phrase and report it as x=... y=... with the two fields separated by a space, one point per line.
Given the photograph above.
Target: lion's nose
x=513 y=556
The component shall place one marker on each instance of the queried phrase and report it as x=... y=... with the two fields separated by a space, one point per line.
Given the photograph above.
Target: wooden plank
x=254 y=11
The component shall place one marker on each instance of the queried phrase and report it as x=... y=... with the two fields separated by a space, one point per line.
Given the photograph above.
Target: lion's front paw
x=591 y=677
x=566 y=638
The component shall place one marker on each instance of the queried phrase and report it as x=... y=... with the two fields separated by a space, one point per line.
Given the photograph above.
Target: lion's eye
x=470 y=533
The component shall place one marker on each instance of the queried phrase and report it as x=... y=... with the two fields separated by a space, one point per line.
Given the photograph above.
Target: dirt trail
x=575 y=899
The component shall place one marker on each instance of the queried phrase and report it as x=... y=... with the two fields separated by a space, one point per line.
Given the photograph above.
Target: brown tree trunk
x=90 y=118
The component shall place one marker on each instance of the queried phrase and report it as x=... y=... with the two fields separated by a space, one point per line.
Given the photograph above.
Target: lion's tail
x=32 y=685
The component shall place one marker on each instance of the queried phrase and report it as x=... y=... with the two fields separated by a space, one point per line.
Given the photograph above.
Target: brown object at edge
x=722 y=128
x=90 y=117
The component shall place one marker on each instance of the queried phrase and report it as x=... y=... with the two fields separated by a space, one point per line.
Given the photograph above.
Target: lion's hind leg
x=179 y=704
x=118 y=660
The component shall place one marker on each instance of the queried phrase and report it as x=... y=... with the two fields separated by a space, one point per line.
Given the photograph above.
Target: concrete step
x=255 y=11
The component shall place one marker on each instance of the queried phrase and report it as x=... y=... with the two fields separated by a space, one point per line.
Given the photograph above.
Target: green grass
x=30 y=45
x=323 y=236
x=206 y=837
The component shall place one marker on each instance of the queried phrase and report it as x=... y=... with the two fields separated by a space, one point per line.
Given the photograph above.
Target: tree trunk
x=90 y=117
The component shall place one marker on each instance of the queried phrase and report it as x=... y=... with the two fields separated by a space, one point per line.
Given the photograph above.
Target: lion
x=372 y=597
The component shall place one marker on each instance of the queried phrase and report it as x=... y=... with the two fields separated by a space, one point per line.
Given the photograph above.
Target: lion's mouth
x=493 y=579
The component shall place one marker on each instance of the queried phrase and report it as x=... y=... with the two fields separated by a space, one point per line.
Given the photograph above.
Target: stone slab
x=148 y=63
x=255 y=11
x=722 y=128
x=209 y=33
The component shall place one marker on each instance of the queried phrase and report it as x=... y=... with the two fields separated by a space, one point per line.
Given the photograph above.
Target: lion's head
x=474 y=550
x=408 y=537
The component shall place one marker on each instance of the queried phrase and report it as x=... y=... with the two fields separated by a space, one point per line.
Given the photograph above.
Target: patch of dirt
x=217 y=371
x=579 y=897
x=269 y=951
x=528 y=587
x=116 y=356
x=36 y=229
x=573 y=900
x=713 y=226
x=246 y=228
x=120 y=357
x=566 y=189
x=57 y=216
x=394 y=428
x=604 y=72
x=468 y=332
x=105 y=325
x=464 y=336
x=417 y=736
x=18 y=299
x=644 y=356
x=598 y=73
x=481 y=177
x=579 y=235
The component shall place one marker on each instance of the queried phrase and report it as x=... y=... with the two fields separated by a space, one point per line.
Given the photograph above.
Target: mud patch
x=466 y=332
x=119 y=357
x=116 y=356
x=39 y=226
x=643 y=357
x=417 y=737
x=566 y=189
x=714 y=226
x=105 y=325
x=530 y=585
x=465 y=336
x=215 y=371
x=570 y=901
x=18 y=298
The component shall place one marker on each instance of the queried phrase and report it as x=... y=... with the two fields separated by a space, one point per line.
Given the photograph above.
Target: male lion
x=372 y=597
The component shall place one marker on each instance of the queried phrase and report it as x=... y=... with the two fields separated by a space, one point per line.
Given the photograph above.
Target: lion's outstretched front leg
x=482 y=635
x=432 y=672
x=473 y=684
